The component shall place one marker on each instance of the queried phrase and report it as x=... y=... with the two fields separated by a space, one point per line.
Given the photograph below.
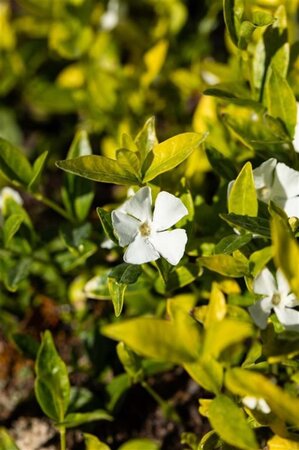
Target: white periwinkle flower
x=276 y=296
x=256 y=403
x=277 y=182
x=146 y=234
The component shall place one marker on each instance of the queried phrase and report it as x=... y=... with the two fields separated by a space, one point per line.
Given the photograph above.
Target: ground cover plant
x=149 y=224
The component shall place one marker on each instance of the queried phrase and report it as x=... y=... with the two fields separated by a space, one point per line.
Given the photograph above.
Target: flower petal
x=286 y=182
x=291 y=301
x=140 y=251
x=264 y=283
x=296 y=135
x=290 y=206
x=125 y=227
x=260 y=312
x=263 y=175
x=140 y=205
x=170 y=244
x=287 y=316
x=168 y=211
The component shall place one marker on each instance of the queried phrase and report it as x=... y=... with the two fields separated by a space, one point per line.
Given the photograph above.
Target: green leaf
x=207 y=372
x=259 y=259
x=227 y=265
x=52 y=386
x=285 y=251
x=245 y=33
x=117 y=293
x=230 y=423
x=223 y=166
x=246 y=382
x=26 y=344
x=17 y=274
x=6 y=442
x=171 y=153
x=280 y=100
x=146 y=139
x=14 y=164
x=242 y=197
x=125 y=273
x=144 y=444
x=38 y=168
x=279 y=443
x=76 y=419
x=233 y=11
x=93 y=443
x=106 y=222
x=98 y=168
x=231 y=243
x=262 y=18
x=256 y=225
x=11 y=227
x=129 y=161
x=156 y=338
x=130 y=361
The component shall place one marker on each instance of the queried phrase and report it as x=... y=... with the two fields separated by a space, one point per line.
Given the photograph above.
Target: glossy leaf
x=11 y=227
x=256 y=225
x=117 y=293
x=229 y=421
x=231 y=243
x=242 y=197
x=125 y=273
x=146 y=139
x=14 y=164
x=144 y=444
x=217 y=308
x=207 y=372
x=76 y=419
x=130 y=162
x=98 y=168
x=286 y=252
x=280 y=443
x=233 y=13
x=170 y=153
x=281 y=100
x=106 y=222
x=223 y=166
x=225 y=265
x=52 y=387
x=155 y=338
x=38 y=167
x=93 y=443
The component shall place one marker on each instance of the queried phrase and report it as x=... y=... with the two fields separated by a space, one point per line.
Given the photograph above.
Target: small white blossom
x=256 y=403
x=5 y=194
x=110 y=18
x=276 y=296
x=296 y=135
x=277 y=182
x=145 y=233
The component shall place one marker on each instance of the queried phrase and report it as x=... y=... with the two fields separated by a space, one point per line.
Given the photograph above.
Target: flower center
x=276 y=299
x=145 y=229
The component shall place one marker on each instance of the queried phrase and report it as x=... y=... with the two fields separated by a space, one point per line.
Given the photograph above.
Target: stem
x=46 y=201
x=62 y=438
x=167 y=408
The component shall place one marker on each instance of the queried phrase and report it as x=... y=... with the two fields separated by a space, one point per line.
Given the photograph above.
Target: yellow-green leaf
x=230 y=423
x=242 y=198
x=279 y=443
x=170 y=153
x=93 y=443
x=227 y=265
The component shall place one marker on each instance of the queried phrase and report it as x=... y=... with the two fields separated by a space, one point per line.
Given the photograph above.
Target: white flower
x=277 y=182
x=110 y=18
x=5 y=194
x=276 y=296
x=256 y=403
x=145 y=233
x=296 y=135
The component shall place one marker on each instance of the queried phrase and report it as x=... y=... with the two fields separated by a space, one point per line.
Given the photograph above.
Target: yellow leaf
x=279 y=443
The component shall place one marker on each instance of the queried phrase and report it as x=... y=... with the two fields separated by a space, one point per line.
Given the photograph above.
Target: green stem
x=46 y=201
x=167 y=409
x=62 y=438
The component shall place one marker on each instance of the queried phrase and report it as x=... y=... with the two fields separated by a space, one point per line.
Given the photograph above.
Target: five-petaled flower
x=279 y=183
x=147 y=234
x=276 y=296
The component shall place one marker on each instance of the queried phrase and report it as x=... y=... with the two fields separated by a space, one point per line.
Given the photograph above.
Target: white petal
x=140 y=251
x=282 y=283
x=260 y=312
x=286 y=182
x=287 y=316
x=125 y=227
x=263 y=406
x=168 y=211
x=291 y=301
x=296 y=135
x=170 y=244
x=291 y=206
x=264 y=283
x=139 y=205
x=263 y=175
